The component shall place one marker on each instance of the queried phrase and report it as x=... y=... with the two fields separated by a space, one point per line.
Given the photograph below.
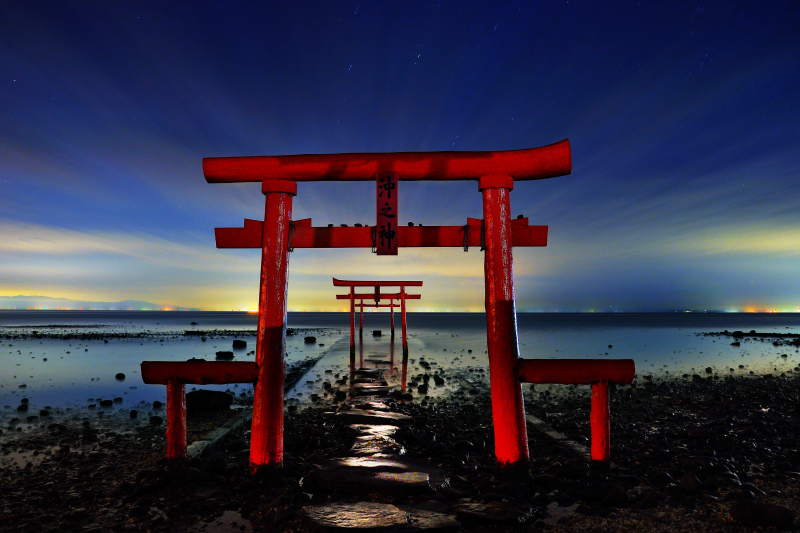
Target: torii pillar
x=266 y=436
x=508 y=411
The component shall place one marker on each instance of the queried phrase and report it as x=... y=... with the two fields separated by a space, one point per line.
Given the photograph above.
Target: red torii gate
x=496 y=233
x=377 y=296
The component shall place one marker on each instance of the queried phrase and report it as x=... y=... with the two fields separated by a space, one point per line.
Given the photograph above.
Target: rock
x=239 y=344
x=206 y=400
x=224 y=355
x=120 y=377
x=156 y=420
x=376 y=333
x=134 y=413
x=310 y=339
x=690 y=484
x=106 y=403
x=761 y=514
x=493 y=512
x=157 y=404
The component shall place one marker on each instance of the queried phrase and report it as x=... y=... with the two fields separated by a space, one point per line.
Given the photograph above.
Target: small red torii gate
x=377 y=296
x=496 y=234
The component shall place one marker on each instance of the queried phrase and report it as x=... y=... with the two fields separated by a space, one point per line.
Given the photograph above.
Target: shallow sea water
x=78 y=372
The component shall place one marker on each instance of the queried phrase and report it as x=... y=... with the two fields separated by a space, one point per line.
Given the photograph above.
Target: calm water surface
x=78 y=372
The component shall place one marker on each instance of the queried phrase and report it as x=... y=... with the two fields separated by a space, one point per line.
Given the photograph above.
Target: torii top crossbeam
x=530 y=164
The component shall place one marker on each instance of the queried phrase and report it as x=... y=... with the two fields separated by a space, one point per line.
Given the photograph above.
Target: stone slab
x=370 y=516
x=368 y=372
x=364 y=516
x=369 y=389
x=373 y=444
x=369 y=416
x=382 y=430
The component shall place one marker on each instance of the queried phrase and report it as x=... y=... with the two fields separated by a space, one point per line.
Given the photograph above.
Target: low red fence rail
x=175 y=375
x=595 y=372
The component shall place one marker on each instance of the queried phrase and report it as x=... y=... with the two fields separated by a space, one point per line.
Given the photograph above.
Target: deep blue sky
x=684 y=120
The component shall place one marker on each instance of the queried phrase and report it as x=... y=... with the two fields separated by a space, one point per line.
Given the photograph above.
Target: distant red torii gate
x=496 y=233
x=377 y=296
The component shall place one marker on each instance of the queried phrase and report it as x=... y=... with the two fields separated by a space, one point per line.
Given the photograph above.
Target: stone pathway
x=375 y=478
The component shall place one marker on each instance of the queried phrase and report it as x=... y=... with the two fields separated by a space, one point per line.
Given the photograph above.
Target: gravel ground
x=687 y=455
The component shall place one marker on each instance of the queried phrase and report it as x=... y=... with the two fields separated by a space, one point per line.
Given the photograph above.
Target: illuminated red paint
x=175 y=375
x=508 y=411
x=595 y=372
x=600 y=422
x=530 y=164
x=266 y=438
x=306 y=236
x=576 y=371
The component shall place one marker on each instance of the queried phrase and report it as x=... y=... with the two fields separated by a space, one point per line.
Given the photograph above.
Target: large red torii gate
x=496 y=233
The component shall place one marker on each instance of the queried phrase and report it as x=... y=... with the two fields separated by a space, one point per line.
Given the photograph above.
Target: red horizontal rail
x=306 y=236
x=199 y=372
x=382 y=297
x=530 y=164
x=576 y=371
x=359 y=283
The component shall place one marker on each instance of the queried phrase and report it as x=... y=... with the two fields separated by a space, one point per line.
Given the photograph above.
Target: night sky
x=684 y=121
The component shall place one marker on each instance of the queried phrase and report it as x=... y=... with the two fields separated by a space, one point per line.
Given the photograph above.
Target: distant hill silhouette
x=48 y=302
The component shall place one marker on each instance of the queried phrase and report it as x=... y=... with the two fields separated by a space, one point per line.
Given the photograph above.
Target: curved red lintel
x=529 y=164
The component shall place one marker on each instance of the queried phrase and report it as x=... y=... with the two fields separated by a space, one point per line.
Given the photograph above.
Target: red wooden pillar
x=176 y=420
x=403 y=319
x=352 y=323
x=391 y=357
x=361 y=320
x=266 y=441
x=391 y=310
x=601 y=430
x=508 y=411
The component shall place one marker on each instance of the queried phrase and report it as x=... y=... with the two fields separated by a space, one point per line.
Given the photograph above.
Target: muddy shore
x=698 y=454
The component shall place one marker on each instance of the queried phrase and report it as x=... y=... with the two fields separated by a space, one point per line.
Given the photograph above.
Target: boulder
x=239 y=344
x=206 y=400
x=761 y=514
x=227 y=356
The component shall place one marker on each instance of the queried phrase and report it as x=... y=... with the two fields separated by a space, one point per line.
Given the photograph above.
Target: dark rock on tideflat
x=239 y=343
x=690 y=484
x=205 y=400
x=156 y=420
x=120 y=377
x=157 y=404
x=134 y=413
x=761 y=514
x=494 y=512
x=224 y=355
x=376 y=333
x=310 y=339
x=106 y=403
